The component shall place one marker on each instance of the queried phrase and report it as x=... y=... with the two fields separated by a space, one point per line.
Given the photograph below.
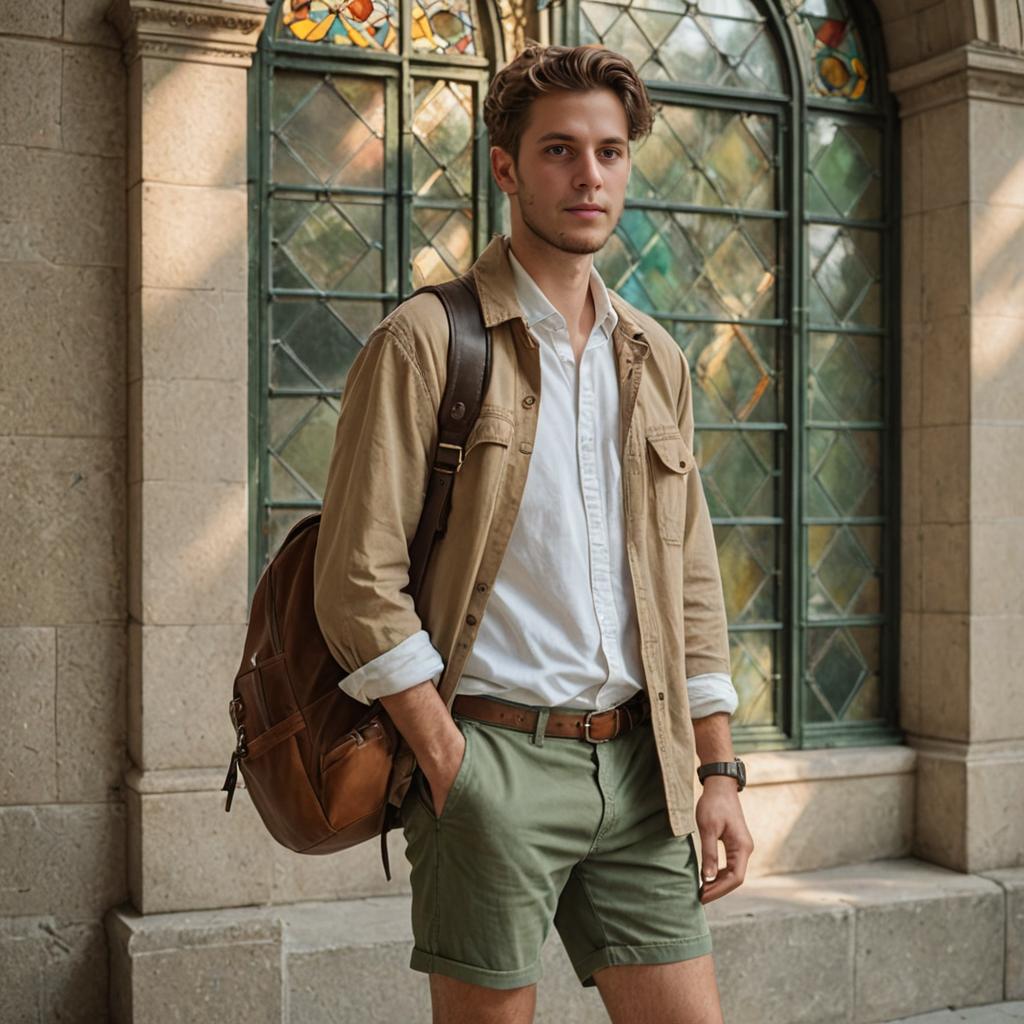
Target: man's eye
x=611 y=153
x=551 y=149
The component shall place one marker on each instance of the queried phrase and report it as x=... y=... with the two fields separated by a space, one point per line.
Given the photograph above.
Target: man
x=575 y=599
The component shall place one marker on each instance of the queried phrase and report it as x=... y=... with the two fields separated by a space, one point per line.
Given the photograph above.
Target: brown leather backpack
x=316 y=762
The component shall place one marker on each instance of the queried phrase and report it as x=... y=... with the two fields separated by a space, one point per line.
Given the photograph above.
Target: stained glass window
x=368 y=177
x=756 y=232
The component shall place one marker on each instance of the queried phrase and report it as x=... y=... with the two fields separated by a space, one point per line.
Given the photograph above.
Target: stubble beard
x=559 y=241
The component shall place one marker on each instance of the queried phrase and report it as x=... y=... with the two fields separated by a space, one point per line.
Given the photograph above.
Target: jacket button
x=526 y=447
x=528 y=401
x=471 y=619
x=481 y=587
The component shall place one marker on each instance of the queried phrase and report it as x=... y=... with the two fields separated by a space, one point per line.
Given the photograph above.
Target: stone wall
x=62 y=505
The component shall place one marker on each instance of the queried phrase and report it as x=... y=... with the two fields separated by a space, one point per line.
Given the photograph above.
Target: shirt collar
x=538 y=310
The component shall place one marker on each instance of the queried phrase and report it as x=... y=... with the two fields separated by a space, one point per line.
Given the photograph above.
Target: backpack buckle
x=445 y=463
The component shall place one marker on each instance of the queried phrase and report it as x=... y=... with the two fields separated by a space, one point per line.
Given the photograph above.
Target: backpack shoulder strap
x=469 y=368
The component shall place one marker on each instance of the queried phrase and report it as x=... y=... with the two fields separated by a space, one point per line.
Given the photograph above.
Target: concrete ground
x=994 y=1013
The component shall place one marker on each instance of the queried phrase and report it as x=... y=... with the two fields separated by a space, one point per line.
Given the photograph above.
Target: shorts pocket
x=457 y=786
x=670 y=462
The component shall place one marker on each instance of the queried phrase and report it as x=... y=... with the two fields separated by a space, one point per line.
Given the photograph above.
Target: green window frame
x=760 y=230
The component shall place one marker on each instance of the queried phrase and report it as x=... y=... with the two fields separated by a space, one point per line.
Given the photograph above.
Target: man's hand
x=719 y=816
x=440 y=776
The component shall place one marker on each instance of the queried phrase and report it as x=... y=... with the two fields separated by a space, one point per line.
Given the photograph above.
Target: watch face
x=742 y=772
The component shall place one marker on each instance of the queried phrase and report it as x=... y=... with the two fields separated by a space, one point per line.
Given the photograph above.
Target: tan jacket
x=377 y=480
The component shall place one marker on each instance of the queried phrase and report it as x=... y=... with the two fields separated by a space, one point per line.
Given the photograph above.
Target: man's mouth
x=586 y=210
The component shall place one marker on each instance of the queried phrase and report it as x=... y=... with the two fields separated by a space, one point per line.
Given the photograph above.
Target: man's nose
x=588 y=171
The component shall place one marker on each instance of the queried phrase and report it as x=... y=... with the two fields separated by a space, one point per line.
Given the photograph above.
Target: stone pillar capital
x=205 y=31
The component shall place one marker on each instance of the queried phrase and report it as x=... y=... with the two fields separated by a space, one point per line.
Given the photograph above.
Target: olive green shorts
x=558 y=830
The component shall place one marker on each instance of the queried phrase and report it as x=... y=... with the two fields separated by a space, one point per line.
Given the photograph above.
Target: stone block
x=993 y=150
x=90 y=712
x=168 y=416
x=1011 y=881
x=30 y=113
x=934 y=34
x=52 y=970
x=912 y=173
x=185 y=968
x=817 y=808
x=41 y=20
x=944 y=162
x=27 y=695
x=192 y=559
x=178 y=334
x=62 y=503
x=997 y=566
x=997 y=667
x=92 y=100
x=940 y=832
x=995 y=821
x=62 y=207
x=66 y=856
x=349 y=874
x=193 y=123
x=997 y=366
x=910 y=477
x=182 y=676
x=946 y=372
x=187 y=237
x=910 y=672
x=62 y=350
x=946 y=248
x=84 y=22
x=945 y=567
x=780 y=958
x=185 y=853
x=945 y=474
x=911 y=578
x=997 y=471
x=945 y=676
x=996 y=271
x=910 y=303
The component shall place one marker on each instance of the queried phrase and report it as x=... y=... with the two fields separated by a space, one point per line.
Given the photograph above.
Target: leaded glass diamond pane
x=845 y=381
x=327 y=130
x=705 y=156
x=442 y=156
x=302 y=432
x=842 y=680
x=753 y=654
x=844 y=168
x=833 y=51
x=845 y=573
x=442 y=244
x=444 y=26
x=845 y=473
x=845 y=283
x=330 y=245
x=362 y=24
x=748 y=556
x=713 y=43
x=738 y=471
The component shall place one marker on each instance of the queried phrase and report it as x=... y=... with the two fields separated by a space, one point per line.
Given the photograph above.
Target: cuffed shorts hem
x=431 y=964
x=655 y=953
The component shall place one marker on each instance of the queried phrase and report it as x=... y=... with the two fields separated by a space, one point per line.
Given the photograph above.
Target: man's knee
x=460 y=1002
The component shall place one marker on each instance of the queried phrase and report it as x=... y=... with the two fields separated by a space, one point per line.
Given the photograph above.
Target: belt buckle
x=586 y=726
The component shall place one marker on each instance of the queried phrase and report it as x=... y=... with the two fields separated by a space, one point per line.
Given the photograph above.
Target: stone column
x=962 y=698
x=187 y=454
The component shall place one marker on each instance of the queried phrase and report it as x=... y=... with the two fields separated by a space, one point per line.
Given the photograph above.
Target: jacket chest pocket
x=669 y=462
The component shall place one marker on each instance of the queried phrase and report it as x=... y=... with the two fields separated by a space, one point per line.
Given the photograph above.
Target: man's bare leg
x=458 y=1002
x=681 y=993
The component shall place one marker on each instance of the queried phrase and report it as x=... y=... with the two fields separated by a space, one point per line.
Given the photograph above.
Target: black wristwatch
x=736 y=768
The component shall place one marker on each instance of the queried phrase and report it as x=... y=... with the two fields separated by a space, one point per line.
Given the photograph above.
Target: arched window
x=369 y=178
x=761 y=231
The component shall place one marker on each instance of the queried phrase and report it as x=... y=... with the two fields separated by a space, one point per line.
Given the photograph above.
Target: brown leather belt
x=594 y=726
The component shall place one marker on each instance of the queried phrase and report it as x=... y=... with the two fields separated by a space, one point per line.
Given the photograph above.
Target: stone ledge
x=767 y=768
x=852 y=945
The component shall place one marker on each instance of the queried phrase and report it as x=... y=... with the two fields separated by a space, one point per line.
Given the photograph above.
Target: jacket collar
x=499 y=303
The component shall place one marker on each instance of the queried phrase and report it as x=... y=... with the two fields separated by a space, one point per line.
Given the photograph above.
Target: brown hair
x=543 y=69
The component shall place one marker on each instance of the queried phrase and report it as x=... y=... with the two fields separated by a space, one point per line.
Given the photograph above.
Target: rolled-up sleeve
x=376 y=482
x=710 y=693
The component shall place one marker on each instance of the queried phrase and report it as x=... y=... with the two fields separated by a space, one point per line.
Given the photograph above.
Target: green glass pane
x=844 y=167
x=442 y=156
x=733 y=371
x=285 y=416
x=286 y=485
x=442 y=244
x=845 y=379
x=332 y=245
x=844 y=473
x=738 y=471
x=753 y=660
x=845 y=284
x=362 y=24
x=748 y=557
x=844 y=570
x=443 y=26
x=832 y=51
x=306 y=449
x=332 y=135
x=841 y=663
x=746 y=55
x=313 y=343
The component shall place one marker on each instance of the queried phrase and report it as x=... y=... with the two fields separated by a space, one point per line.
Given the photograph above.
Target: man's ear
x=503 y=167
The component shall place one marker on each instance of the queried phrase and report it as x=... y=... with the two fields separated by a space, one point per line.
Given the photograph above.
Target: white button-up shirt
x=560 y=627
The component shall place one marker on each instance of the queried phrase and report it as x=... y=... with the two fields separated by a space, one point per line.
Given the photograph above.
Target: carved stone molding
x=973 y=71
x=209 y=32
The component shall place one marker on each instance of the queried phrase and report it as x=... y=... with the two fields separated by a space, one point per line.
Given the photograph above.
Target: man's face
x=570 y=178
